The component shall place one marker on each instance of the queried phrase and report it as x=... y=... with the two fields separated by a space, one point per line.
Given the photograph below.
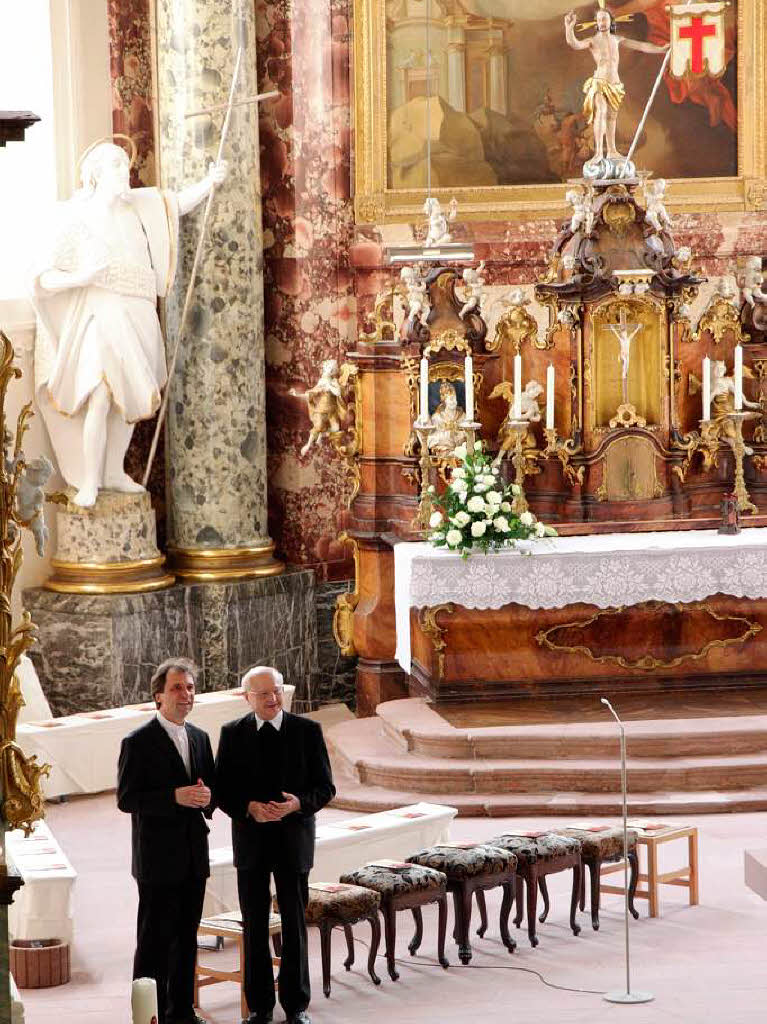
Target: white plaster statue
x=723 y=401
x=475 y=282
x=327 y=406
x=752 y=280
x=99 y=352
x=583 y=215
x=418 y=305
x=517 y=297
x=438 y=233
x=656 y=214
x=447 y=418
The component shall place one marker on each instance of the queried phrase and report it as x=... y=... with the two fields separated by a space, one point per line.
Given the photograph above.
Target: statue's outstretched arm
x=637 y=44
x=570 y=39
x=193 y=195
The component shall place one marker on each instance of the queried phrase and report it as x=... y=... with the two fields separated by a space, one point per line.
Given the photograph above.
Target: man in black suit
x=165 y=776
x=272 y=776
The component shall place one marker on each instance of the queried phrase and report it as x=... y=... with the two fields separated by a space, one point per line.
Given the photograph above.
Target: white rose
x=495 y=471
x=453 y=538
x=501 y=524
x=527 y=519
x=505 y=506
x=493 y=497
x=459 y=486
x=516 y=489
x=431 y=489
x=461 y=518
x=478 y=529
x=477 y=446
x=460 y=451
x=540 y=530
x=458 y=473
x=475 y=504
x=436 y=520
x=479 y=488
x=490 y=479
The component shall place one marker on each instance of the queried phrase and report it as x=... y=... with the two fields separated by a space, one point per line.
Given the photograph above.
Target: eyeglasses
x=277 y=692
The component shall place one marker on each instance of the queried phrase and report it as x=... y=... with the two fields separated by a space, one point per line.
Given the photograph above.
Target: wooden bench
x=228 y=926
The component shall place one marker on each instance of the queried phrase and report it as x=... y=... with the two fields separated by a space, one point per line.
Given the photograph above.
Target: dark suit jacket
x=306 y=773
x=170 y=842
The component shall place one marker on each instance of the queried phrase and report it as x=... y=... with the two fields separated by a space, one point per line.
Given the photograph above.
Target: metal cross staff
x=229 y=107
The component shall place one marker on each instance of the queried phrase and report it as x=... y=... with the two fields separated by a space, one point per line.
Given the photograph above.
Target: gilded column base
x=221 y=565
x=136 y=577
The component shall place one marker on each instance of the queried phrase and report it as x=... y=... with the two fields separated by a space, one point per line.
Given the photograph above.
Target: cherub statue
x=327 y=407
x=723 y=401
x=446 y=419
x=475 y=282
x=656 y=214
x=583 y=215
x=438 y=233
x=751 y=282
x=418 y=304
x=530 y=411
x=517 y=297
x=30 y=499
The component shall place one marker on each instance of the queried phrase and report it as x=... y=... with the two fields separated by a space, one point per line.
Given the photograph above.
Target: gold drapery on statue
x=613 y=92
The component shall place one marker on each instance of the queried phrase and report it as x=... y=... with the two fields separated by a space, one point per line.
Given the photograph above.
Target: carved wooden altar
x=629 y=451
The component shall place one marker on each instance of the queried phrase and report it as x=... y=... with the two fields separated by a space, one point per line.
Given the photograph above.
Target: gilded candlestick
x=423 y=429
x=739 y=451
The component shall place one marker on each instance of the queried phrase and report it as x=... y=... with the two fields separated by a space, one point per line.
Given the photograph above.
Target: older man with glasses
x=272 y=776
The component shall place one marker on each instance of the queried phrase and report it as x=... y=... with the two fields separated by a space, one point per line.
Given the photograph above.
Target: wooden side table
x=651 y=839
x=228 y=926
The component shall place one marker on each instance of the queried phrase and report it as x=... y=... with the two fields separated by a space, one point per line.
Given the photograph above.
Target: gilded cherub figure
x=723 y=401
x=327 y=407
x=475 y=283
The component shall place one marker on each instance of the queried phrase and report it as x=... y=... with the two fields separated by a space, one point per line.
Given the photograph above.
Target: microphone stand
x=628 y=996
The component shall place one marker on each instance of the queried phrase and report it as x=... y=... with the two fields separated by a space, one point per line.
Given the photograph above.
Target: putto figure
x=657 y=215
x=475 y=283
x=604 y=92
x=327 y=406
x=418 y=304
x=99 y=353
x=438 y=233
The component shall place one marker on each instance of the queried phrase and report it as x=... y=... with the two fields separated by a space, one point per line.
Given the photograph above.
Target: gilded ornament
x=719 y=318
x=343 y=617
x=427 y=620
x=448 y=341
x=515 y=326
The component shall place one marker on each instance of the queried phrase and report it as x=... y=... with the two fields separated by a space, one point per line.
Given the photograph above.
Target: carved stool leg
x=508 y=896
x=532 y=902
x=583 y=891
x=633 y=878
x=390 y=933
x=482 y=913
x=595 y=871
x=277 y=944
x=349 y=946
x=543 y=886
x=326 y=930
x=442 y=930
x=462 y=904
x=577 y=876
x=415 y=942
x=375 y=942
x=519 y=882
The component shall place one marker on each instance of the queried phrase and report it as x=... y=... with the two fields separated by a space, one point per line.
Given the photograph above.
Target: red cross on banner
x=697 y=40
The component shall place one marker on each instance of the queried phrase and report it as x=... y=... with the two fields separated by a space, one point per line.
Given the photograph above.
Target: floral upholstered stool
x=470 y=868
x=403 y=886
x=334 y=904
x=600 y=844
x=541 y=853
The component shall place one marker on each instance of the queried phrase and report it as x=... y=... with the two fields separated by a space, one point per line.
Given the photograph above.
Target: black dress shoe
x=258 y=1018
x=302 y=1017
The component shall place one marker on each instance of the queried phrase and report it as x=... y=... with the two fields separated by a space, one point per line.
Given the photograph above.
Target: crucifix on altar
x=625 y=332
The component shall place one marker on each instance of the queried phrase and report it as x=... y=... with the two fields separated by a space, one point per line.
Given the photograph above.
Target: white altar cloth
x=83 y=749
x=42 y=908
x=606 y=570
x=343 y=846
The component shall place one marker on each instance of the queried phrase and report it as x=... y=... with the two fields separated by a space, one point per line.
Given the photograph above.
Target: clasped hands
x=197 y=796
x=274 y=810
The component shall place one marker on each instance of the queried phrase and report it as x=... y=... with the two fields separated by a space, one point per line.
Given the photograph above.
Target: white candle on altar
x=468 y=372
x=738 y=378
x=550 y=397
x=423 y=412
x=144 y=1001
x=517 y=411
x=706 y=388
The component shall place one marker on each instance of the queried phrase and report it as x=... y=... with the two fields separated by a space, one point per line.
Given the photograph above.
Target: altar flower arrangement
x=475 y=509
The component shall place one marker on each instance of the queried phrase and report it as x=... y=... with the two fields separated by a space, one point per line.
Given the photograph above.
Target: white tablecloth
x=42 y=908
x=344 y=846
x=83 y=749
x=606 y=570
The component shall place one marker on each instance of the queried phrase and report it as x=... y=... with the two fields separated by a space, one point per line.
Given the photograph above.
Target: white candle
x=550 y=397
x=517 y=412
x=706 y=388
x=468 y=373
x=143 y=1001
x=423 y=413
x=738 y=378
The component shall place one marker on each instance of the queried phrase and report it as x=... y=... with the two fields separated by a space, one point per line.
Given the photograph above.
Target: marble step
x=374 y=759
x=414 y=725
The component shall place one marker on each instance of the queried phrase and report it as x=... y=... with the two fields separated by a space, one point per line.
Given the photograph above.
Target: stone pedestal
x=101 y=651
x=109 y=548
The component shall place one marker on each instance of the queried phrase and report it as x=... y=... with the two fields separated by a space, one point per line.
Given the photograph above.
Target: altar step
x=675 y=766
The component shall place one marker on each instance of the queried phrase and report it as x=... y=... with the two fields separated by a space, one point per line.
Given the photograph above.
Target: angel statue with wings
x=530 y=411
x=327 y=406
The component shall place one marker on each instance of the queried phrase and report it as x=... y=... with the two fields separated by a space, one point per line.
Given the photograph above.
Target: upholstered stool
x=404 y=886
x=600 y=844
x=471 y=868
x=539 y=854
x=333 y=905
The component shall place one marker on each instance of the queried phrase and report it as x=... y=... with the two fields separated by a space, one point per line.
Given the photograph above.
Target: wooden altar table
x=574 y=614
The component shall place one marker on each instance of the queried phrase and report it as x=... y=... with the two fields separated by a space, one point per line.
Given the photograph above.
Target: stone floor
x=703 y=964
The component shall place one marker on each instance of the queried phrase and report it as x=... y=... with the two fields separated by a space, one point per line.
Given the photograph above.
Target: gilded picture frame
x=376 y=202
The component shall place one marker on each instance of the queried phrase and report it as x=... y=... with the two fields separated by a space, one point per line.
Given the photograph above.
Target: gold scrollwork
x=427 y=620
x=343 y=617
x=627 y=416
x=719 y=317
x=516 y=326
x=647 y=662
x=450 y=340
x=348 y=443
x=384 y=327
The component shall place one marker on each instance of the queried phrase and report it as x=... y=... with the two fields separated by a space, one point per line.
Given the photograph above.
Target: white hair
x=259 y=670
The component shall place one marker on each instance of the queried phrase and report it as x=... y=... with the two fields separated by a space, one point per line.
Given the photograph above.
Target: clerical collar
x=170 y=727
x=276 y=721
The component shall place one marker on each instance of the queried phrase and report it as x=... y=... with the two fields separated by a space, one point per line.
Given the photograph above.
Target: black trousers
x=166 y=943
x=255 y=904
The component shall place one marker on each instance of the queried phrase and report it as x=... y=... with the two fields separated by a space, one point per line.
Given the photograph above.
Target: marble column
x=456 y=76
x=498 y=80
x=216 y=426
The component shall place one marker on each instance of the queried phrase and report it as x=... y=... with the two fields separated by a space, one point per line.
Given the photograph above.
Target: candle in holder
x=706 y=388
x=423 y=412
x=550 y=397
x=738 y=378
x=517 y=410
x=468 y=372
x=144 y=1001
